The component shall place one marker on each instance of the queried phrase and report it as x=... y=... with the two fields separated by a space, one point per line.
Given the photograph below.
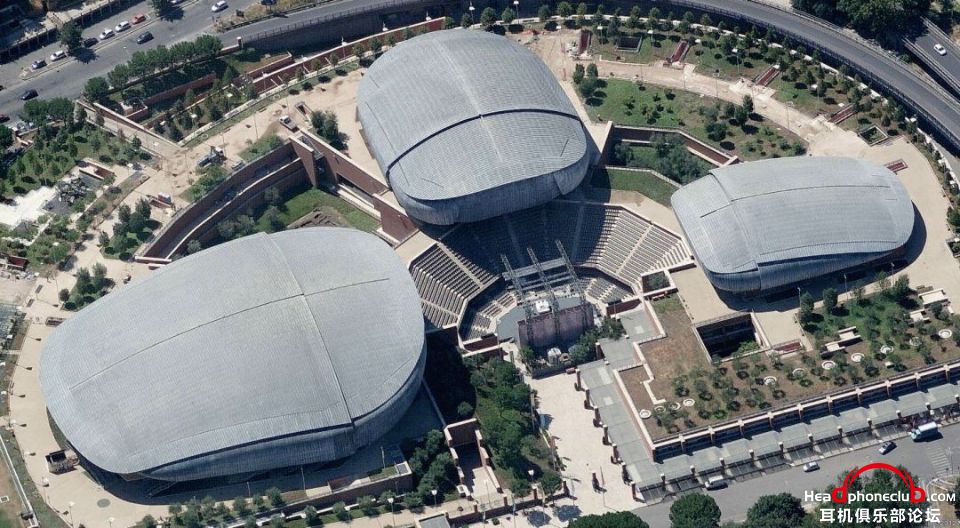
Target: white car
x=810 y=466
x=122 y=26
x=57 y=55
x=105 y=34
x=940 y=49
x=219 y=6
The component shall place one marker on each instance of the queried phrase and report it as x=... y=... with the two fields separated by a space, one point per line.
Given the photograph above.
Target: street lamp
x=393 y=519
x=472 y=9
x=736 y=52
x=110 y=520
x=4 y=393
x=516 y=8
x=70 y=506
x=4 y=363
x=434 y=493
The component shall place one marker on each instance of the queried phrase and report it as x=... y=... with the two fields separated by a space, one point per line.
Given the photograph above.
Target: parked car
x=810 y=466
x=940 y=49
x=146 y=36
x=4 y=118
x=886 y=447
x=122 y=26
x=219 y=6
x=37 y=64
x=90 y=42
x=717 y=482
x=29 y=94
x=140 y=17
x=287 y=122
x=268 y=2
x=105 y=34
x=57 y=55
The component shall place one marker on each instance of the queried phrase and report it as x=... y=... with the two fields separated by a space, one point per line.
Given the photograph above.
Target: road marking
x=938 y=457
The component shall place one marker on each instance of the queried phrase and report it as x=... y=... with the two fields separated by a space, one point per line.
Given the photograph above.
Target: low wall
x=206 y=80
x=173 y=234
x=645 y=135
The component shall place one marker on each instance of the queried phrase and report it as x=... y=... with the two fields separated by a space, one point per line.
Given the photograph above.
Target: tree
x=339 y=510
x=592 y=70
x=6 y=137
x=239 y=503
x=741 y=116
x=564 y=9
x=464 y=410
x=148 y=521
x=544 y=13
x=250 y=522
x=64 y=295
x=900 y=289
x=311 y=516
x=695 y=511
x=830 y=300
x=587 y=86
x=748 y=104
x=466 y=20
x=551 y=483
x=488 y=16
x=609 y=520
x=775 y=511
x=160 y=6
x=508 y=16
x=579 y=72
x=70 y=36
x=96 y=89
x=806 y=308
x=274 y=218
x=368 y=505
x=194 y=246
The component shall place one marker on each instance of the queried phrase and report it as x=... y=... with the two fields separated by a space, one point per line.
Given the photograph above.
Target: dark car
x=146 y=36
x=90 y=42
x=268 y=2
x=4 y=118
x=29 y=94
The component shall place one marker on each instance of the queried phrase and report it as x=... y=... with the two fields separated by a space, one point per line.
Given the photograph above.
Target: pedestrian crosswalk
x=938 y=458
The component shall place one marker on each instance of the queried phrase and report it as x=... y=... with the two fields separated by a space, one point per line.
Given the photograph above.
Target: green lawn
x=302 y=203
x=625 y=103
x=645 y=183
x=261 y=147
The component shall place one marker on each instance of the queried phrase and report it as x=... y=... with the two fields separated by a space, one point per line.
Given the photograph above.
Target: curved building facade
x=269 y=351
x=763 y=225
x=467 y=125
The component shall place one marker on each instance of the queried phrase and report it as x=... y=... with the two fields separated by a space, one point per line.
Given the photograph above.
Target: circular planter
x=886 y=349
x=769 y=380
x=645 y=413
x=799 y=372
x=659 y=409
x=946 y=333
x=827 y=365
x=856 y=357
x=675 y=406
x=688 y=402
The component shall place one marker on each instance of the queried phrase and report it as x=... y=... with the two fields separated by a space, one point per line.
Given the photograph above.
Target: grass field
x=642 y=182
x=300 y=204
x=625 y=103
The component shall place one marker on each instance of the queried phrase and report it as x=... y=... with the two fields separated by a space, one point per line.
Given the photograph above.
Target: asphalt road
x=949 y=64
x=925 y=460
x=67 y=77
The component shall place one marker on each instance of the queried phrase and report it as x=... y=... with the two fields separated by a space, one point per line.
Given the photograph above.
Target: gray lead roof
x=742 y=216
x=265 y=336
x=456 y=112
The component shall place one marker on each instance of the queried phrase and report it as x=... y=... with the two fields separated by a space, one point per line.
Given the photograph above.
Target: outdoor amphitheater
x=463 y=278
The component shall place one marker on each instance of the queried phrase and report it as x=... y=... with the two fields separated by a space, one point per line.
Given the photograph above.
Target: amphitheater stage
x=508 y=325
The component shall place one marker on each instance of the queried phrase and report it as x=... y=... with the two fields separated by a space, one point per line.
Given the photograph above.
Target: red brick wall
x=393 y=222
x=206 y=80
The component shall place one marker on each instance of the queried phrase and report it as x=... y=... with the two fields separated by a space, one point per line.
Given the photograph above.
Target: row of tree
x=885 y=20
x=145 y=63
